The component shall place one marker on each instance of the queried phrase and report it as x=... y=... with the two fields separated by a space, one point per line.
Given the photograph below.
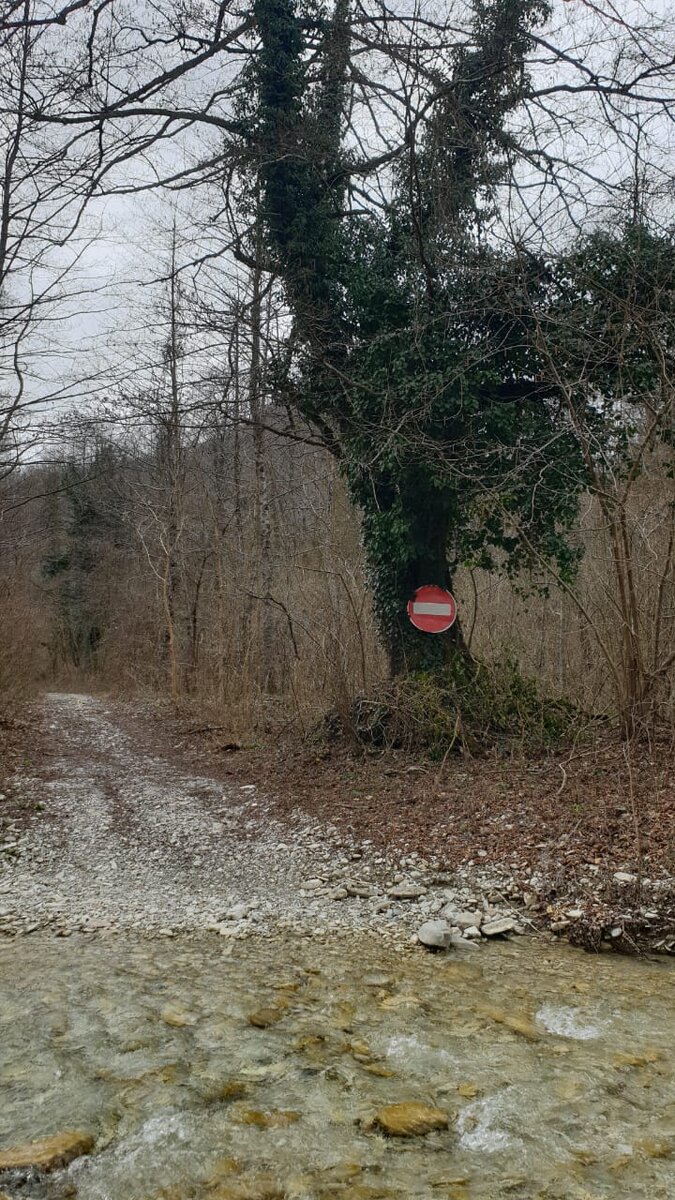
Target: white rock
x=462 y=943
x=435 y=935
x=498 y=927
x=463 y=920
x=624 y=877
x=472 y=932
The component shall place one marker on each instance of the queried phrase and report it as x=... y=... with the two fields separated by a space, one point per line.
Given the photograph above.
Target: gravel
x=121 y=838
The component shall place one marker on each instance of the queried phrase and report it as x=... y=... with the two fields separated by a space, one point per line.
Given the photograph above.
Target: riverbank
x=121 y=817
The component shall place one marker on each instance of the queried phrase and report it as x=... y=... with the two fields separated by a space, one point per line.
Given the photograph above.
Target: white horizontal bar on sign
x=424 y=608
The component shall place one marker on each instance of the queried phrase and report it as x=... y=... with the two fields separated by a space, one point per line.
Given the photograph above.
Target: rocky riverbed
x=198 y=1068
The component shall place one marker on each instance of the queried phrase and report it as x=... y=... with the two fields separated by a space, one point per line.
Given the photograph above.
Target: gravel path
x=121 y=838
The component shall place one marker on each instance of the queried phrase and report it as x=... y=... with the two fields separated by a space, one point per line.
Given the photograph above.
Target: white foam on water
x=408 y=1048
x=480 y=1129
x=567 y=1022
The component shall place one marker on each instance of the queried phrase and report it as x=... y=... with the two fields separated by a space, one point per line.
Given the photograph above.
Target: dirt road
x=122 y=837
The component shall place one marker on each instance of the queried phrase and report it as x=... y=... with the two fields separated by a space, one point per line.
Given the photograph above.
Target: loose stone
x=498 y=927
x=435 y=935
x=463 y=920
x=410 y=1119
x=407 y=891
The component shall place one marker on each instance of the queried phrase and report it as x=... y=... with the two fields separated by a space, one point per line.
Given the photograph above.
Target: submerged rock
x=263 y=1187
x=47 y=1154
x=277 y=1119
x=264 y=1017
x=656 y=1148
x=177 y=1018
x=435 y=935
x=516 y=1022
x=410 y=1119
x=232 y=1089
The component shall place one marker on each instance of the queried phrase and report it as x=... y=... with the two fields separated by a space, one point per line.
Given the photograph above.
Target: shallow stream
x=557 y=1070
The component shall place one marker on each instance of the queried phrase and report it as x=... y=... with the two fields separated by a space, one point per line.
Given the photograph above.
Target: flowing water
x=556 y=1069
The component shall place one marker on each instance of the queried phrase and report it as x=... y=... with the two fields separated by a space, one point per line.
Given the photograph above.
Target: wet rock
x=459 y=942
x=410 y=1119
x=624 y=1058
x=435 y=935
x=498 y=927
x=277 y=1119
x=262 y=1018
x=177 y=1017
x=516 y=1022
x=47 y=1154
x=342 y=1172
x=262 y=1187
x=363 y=1191
x=407 y=891
x=377 y=979
x=378 y=1069
x=468 y=1091
x=656 y=1147
x=233 y=1089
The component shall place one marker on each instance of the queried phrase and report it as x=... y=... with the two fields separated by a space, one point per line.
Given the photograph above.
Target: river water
x=556 y=1069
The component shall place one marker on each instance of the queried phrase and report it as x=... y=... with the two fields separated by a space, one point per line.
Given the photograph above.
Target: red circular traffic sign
x=432 y=609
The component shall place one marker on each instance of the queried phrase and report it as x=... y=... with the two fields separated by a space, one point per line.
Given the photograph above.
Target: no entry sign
x=432 y=609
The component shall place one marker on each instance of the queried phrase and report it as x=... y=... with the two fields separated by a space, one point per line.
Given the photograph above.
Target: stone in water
x=411 y=1119
x=48 y=1154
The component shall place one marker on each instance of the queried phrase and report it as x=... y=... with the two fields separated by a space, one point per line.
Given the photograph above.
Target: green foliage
x=78 y=526
x=418 y=347
x=464 y=706
x=607 y=318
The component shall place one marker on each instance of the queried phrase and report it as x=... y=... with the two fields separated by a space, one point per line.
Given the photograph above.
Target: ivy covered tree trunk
x=406 y=534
